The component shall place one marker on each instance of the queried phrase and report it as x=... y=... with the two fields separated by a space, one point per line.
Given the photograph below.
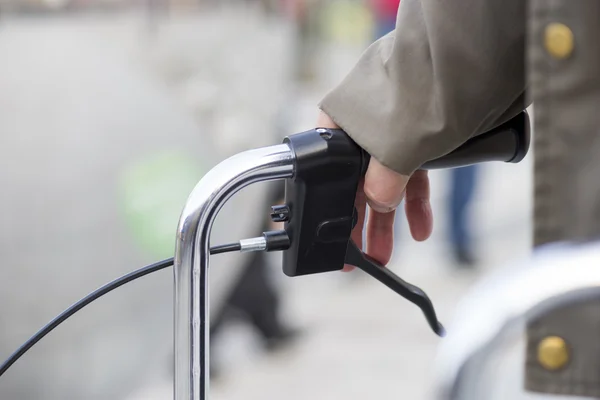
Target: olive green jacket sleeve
x=451 y=70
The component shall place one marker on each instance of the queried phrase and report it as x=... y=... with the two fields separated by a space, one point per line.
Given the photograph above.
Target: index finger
x=360 y=203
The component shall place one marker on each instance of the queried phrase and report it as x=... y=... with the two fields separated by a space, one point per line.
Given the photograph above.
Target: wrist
x=324 y=121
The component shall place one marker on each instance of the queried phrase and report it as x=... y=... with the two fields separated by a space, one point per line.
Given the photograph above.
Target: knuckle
x=383 y=197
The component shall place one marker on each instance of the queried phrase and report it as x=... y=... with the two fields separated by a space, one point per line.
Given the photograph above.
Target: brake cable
x=270 y=241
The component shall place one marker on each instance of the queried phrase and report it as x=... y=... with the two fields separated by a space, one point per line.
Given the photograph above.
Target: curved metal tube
x=191 y=323
x=496 y=309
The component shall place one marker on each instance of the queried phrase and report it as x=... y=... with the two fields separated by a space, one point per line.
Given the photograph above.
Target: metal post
x=191 y=323
x=497 y=310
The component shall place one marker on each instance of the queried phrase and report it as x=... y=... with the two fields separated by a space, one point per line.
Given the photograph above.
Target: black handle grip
x=508 y=142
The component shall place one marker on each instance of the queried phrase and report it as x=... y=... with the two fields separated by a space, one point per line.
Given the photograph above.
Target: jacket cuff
x=363 y=106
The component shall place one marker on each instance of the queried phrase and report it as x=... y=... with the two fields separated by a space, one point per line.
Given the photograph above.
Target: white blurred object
x=56 y=4
x=483 y=354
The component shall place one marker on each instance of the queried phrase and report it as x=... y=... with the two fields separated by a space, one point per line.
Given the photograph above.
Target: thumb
x=384 y=187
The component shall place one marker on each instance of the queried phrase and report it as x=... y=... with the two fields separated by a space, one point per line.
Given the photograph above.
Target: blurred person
x=155 y=10
x=384 y=12
x=462 y=180
x=270 y=7
x=254 y=299
x=304 y=13
x=454 y=70
x=462 y=191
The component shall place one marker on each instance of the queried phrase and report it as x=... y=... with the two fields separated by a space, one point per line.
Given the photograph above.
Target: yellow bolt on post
x=559 y=40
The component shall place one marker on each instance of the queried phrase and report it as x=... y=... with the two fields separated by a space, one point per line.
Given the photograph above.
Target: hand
x=383 y=189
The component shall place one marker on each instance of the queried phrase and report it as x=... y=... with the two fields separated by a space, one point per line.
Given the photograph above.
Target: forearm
x=451 y=70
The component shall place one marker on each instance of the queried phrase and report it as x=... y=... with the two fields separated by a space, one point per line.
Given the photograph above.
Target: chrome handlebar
x=191 y=324
x=328 y=164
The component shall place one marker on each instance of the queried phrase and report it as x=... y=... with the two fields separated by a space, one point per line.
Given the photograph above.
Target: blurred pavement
x=360 y=340
x=99 y=152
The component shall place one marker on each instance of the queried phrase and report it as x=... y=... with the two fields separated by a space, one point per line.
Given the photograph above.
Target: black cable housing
x=96 y=294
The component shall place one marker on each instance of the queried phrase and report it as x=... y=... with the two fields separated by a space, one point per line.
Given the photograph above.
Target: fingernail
x=380 y=208
x=384 y=207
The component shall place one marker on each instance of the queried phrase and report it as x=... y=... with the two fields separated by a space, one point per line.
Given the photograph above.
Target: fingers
x=417 y=206
x=384 y=188
x=361 y=207
x=380 y=235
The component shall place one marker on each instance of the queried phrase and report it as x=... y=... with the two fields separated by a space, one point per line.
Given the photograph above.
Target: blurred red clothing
x=295 y=9
x=385 y=8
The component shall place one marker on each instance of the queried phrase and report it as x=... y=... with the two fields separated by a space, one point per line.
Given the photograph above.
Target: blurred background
x=112 y=110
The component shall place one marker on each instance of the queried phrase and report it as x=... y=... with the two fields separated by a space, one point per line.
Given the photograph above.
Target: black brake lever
x=355 y=256
x=319 y=200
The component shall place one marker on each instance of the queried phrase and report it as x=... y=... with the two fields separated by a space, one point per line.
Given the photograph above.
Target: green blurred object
x=152 y=193
x=347 y=21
